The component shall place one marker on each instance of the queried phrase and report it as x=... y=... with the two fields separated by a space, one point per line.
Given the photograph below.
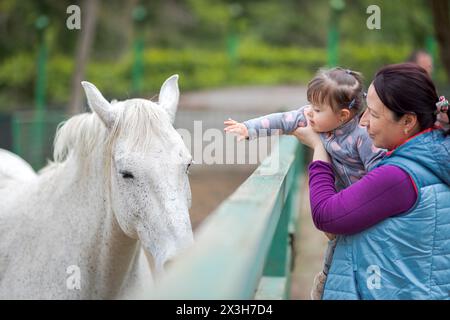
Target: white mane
x=137 y=121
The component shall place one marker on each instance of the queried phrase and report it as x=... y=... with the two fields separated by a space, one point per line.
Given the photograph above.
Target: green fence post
x=279 y=260
x=276 y=265
x=233 y=36
x=293 y=227
x=139 y=14
x=16 y=135
x=37 y=139
x=333 y=32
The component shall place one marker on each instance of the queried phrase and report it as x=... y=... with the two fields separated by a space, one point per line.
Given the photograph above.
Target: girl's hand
x=236 y=127
x=330 y=236
x=307 y=136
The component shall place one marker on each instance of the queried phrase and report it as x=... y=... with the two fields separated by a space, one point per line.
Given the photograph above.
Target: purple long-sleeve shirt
x=383 y=192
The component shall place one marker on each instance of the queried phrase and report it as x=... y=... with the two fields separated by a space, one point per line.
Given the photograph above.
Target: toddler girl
x=336 y=100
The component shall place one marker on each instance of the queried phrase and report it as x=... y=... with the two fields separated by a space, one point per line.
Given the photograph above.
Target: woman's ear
x=344 y=115
x=409 y=121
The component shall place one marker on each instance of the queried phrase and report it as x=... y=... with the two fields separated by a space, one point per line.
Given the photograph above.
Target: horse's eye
x=126 y=174
x=188 y=166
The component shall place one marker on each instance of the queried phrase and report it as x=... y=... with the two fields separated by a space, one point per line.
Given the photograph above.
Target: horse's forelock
x=140 y=122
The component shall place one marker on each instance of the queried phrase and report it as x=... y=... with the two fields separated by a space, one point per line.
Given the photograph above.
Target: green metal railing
x=37 y=138
x=139 y=14
x=243 y=250
x=336 y=8
x=23 y=135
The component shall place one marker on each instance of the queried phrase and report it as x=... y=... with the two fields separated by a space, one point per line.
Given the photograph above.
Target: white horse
x=13 y=168
x=118 y=180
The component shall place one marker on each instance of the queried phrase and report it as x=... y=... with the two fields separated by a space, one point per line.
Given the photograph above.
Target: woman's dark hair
x=407 y=88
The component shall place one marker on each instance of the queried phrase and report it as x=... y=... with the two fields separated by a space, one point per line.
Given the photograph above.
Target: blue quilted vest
x=406 y=256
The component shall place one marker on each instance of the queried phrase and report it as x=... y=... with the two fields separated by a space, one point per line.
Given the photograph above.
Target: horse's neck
x=83 y=187
x=82 y=190
x=63 y=218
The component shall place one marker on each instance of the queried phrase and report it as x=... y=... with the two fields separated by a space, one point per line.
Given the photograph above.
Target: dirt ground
x=210 y=188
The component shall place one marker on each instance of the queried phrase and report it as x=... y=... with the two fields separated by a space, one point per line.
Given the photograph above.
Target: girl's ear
x=345 y=115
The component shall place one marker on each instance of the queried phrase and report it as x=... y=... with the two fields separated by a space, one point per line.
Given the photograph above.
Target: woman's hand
x=307 y=136
x=236 y=127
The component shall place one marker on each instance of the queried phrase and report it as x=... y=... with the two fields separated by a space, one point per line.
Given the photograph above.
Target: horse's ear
x=98 y=104
x=169 y=96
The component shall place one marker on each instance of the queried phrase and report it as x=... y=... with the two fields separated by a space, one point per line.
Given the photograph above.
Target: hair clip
x=442 y=105
x=352 y=103
x=348 y=71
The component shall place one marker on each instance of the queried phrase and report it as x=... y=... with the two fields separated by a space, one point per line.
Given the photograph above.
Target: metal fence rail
x=30 y=136
x=243 y=250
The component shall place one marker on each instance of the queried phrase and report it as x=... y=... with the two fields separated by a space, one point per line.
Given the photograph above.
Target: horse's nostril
x=168 y=264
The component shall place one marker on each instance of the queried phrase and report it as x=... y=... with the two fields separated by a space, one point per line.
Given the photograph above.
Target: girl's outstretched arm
x=232 y=126
x=282 y=122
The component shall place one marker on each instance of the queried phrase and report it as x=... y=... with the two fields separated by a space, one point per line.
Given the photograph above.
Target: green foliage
x=17 y=74
x=257 y=64
x=17 y=71
x=276 y=42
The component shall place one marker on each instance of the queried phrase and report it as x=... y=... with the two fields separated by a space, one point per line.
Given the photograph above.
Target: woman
x=393 y=225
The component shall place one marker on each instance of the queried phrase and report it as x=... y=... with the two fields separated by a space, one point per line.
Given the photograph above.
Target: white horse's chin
x=161 y=262
x=165 y=256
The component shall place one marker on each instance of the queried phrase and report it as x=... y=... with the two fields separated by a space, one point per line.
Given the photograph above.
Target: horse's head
x=149 y=165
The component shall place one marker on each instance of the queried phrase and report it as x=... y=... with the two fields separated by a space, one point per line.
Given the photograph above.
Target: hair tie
x=441 y=105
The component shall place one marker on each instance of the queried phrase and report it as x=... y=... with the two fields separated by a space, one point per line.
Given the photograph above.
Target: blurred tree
x=402 y=22
x=85 y=38
x=203 y=25
x=17 y=23
x=441 y=15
